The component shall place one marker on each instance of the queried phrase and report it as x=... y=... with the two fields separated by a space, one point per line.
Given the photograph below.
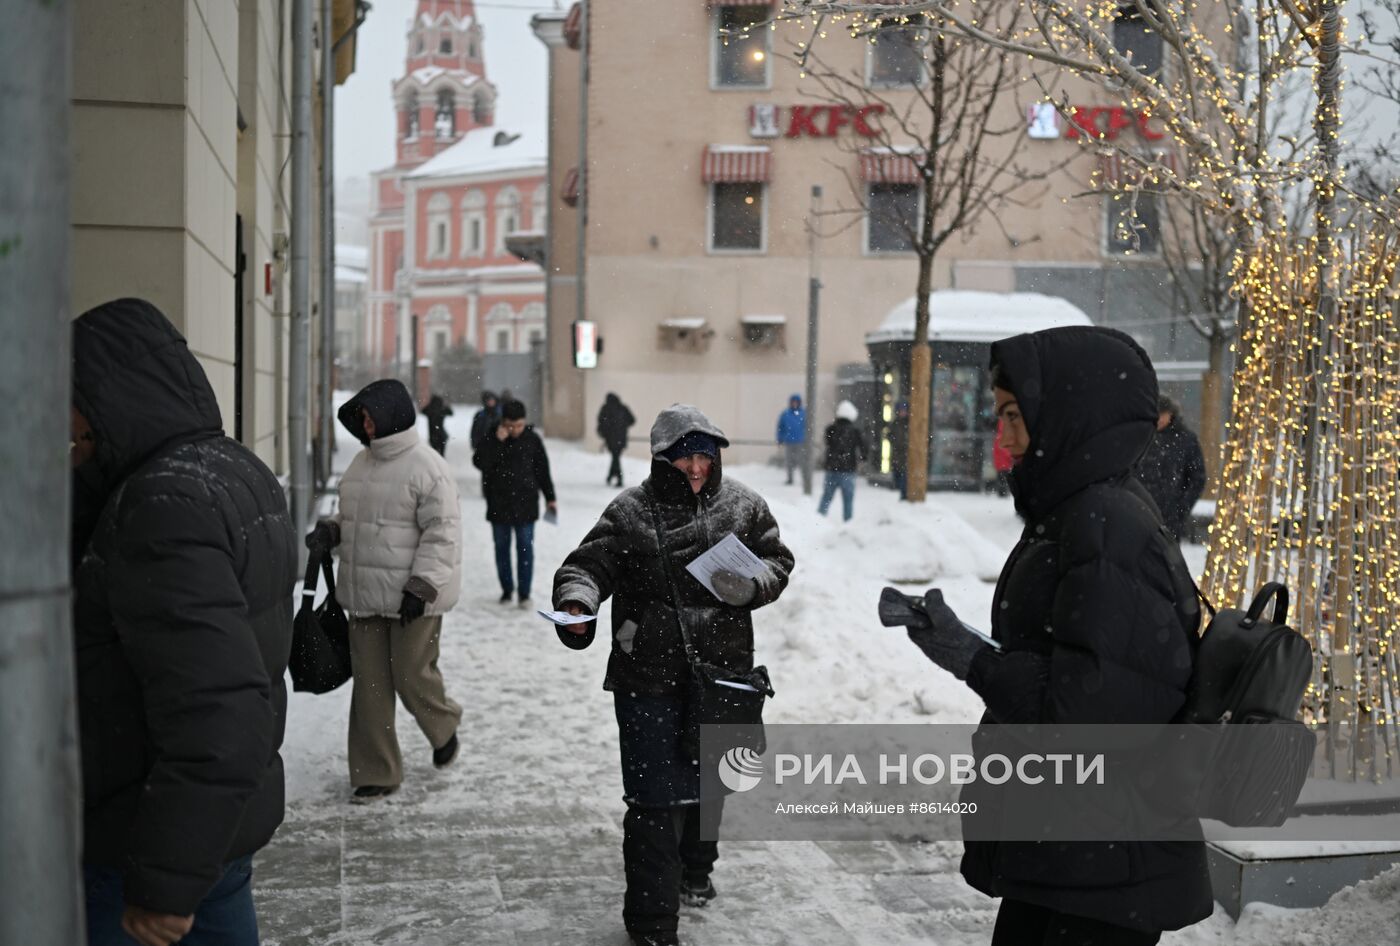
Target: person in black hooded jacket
x=614 y=420
x=1097 y=618
x=636 y=554
x=182 y=628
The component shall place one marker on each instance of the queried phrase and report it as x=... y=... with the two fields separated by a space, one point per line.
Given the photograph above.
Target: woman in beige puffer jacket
x=399 y=532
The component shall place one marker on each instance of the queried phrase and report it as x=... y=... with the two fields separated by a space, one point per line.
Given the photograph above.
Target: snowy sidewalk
x=520 y=840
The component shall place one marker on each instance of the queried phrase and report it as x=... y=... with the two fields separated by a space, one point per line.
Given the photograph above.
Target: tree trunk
x=1213 y=408
x=920 y=376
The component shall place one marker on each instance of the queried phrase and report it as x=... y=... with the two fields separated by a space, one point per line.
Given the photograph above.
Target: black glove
x=411 y=608
x=934 y=627
x=734 y=589
x=324 y=537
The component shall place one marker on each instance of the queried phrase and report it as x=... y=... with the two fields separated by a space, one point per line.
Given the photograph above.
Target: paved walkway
x=520 y=840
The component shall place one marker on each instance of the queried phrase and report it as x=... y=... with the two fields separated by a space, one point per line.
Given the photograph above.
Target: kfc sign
x=1089 y=121
x=813 y=121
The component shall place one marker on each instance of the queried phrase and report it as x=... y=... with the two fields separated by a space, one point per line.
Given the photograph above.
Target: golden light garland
x=1345 y=570
x=1308 y=490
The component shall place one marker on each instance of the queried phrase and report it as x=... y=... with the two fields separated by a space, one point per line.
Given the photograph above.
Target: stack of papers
x=729 y=554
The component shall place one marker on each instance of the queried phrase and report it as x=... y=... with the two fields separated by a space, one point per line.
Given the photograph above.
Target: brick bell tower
x=444 y=92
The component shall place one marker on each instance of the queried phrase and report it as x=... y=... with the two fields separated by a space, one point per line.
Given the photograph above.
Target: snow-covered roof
x=683 y=324
x=349 y=254
x=761 y=319
x=961 y=315
x=477 y=153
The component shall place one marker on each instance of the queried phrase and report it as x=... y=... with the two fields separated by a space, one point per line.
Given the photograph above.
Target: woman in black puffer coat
x=1097 y=617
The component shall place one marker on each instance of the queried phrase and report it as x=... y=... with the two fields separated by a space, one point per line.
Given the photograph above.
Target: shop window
x=741 y=58
x=896 y=57
x=892 y=221
x=1134 y=38
x=736 y=217
x=1133 y=225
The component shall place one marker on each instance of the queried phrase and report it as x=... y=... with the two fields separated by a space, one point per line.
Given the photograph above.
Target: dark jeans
x=437 y=439
x=224 y=918
x=846 y=482
x=615 y=470
x=662 y=828
x=524 y=534
x=901 y=483
x=1024 y=924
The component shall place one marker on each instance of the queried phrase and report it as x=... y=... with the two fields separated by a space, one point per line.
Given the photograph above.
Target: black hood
x=1089 y=398
x=487 y=397
x=387 y=401
x=138 y=385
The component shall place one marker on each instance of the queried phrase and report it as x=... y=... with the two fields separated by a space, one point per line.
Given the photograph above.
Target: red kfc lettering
x=1145 y=130
x=1084 y=120
x=862 y=124
x=1118 y=119
x=840 y=115
x=803 y=121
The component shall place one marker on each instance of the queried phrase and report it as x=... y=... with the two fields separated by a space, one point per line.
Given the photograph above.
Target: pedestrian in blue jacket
x=792 y=433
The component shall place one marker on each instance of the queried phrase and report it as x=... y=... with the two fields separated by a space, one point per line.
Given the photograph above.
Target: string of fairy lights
x=1311 y=461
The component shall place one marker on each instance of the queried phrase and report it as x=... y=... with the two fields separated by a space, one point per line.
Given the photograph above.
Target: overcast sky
x=515 y=63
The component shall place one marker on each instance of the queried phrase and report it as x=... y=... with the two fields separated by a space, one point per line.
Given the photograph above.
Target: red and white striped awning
x=569 y=191
x=1118 y=170
x=735 y=164
x=888 y=167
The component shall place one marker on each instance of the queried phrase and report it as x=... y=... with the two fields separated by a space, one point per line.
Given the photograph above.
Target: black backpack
x=1247 y=684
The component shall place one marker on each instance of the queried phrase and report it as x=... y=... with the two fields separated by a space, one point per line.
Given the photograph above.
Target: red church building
x=441 y=272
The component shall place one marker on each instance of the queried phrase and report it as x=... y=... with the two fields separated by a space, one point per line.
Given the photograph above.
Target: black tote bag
x=320 y=659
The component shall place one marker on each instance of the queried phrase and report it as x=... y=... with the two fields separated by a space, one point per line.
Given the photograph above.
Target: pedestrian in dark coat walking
x=514 y=472
x=485 y=419
x=182 y=627
x=1097 y=617
x=437 y=411
x=1173 y=469
x=614 y=420
x=625 y=557
x=845 y=451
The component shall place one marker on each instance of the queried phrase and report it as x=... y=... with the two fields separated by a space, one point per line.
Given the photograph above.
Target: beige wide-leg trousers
x=388 y=659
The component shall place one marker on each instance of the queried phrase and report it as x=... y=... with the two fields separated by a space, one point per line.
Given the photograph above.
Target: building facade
x=701 y=232
x=179 y=191
x=445 y=217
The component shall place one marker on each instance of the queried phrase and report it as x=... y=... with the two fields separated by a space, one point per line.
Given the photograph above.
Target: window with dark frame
x=893 y=218
x=1134 y=226
x=741 y=59
x=897 y=54
x=736 y=217
x=1134 y=38
x=445 y=44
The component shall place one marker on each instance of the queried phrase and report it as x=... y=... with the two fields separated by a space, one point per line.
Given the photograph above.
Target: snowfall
x=519 y=841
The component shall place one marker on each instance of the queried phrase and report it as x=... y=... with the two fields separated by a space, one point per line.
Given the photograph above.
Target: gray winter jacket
x=637 y=552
